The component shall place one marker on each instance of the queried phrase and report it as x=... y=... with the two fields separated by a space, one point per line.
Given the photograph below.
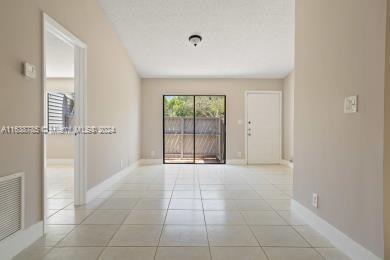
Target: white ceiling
x=59 y=58
x=241 y=38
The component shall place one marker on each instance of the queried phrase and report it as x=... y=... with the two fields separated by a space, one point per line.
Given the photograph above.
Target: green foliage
x=178 y=106
x=205 y=106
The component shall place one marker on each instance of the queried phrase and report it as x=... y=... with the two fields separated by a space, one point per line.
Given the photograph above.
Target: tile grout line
x=204 y=219
x=165 y=218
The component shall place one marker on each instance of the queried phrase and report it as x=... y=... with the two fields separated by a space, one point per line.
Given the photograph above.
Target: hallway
x=186 y=212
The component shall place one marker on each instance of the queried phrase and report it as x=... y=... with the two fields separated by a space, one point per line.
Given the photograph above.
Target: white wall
x=340 y=51
x=234 y=89
x=288 y=117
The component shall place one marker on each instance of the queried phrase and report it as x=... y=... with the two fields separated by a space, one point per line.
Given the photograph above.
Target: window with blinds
x=60 y=110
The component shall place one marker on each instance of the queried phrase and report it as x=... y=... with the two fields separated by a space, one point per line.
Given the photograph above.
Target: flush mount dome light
x=195 y=39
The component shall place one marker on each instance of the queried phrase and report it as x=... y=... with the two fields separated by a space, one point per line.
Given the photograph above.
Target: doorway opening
x=64 y=150
x=194 y=129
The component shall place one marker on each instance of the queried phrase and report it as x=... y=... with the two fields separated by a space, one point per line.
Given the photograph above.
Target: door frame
x=80 y=82
x=163 y=128
x=280 y=94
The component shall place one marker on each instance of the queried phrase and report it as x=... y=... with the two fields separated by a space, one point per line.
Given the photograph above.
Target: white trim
x=246 y=118
x=49 y=25
x=67 y=162
x=341 y=241
x=94 y=192
x=287 y=163
x=150 y=161
x=235 y=161
x=14 y=244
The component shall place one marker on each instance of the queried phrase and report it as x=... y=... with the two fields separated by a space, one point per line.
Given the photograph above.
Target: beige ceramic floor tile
x=195 y=204
x=279 y=204
x=234 y=253
x=224 y=218
x=152 y=204
x=68 y=217
x=283 y=253
x=262 y=218
x=126 y=253
x=89 y=235
x=183 y=253
x=137 y=235
x=55 y=233
x=249 y=205
x=219 y=205
x=119 y=203
x=74 y=253
x=230 y=236
x=185 y=217
x=184 y=235
x=106 y=217
x=146 y=217
x=278 y=236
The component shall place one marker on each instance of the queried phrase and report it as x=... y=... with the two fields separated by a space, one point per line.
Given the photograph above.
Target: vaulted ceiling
x=241 y=38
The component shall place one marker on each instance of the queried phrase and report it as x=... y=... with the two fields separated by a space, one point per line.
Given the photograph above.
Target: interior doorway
x=194 y=129
x=64 y=152
x=263 y=127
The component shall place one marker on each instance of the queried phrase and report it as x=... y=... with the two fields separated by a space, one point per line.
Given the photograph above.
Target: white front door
x=264 y=127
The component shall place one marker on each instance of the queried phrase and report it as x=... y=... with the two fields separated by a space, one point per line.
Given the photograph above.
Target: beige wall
x=154 y=89
x=386 y=200
x=340 y=51
x=288 y=117
x=60 y=147
x=65 y=85
x=113 y=93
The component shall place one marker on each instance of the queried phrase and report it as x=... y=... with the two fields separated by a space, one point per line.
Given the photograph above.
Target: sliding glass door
x=194 y=129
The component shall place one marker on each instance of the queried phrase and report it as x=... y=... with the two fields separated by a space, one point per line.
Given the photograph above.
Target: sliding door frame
x=194 y=136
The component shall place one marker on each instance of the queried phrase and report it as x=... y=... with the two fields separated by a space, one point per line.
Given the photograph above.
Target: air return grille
x=11 y=204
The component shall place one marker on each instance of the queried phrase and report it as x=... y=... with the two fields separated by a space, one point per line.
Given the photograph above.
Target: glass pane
x=210 y=129
x=178 y=129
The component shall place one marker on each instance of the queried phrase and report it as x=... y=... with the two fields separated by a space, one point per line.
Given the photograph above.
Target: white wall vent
x=11 y=204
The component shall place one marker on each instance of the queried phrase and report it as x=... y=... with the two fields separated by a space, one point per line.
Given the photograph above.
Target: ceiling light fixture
x=195 y=39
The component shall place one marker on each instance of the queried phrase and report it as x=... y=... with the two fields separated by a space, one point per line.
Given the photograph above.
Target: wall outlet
x=122 y=164
x=239 y=155
x=314 y=200
x=152 y=153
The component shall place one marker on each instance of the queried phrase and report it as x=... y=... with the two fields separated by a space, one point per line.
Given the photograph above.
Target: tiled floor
x=60 y=190
x=185 y=212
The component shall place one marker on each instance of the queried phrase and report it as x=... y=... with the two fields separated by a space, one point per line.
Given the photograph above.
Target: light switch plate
x=29 y=70
x=351 y=104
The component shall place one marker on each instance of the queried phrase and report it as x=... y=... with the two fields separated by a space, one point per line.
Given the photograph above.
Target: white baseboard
x=150 y=161
x=22 y=239
x=287 y=163
x=341 y=241
x=235 y=161
x=69 y=162
x=94 y=192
